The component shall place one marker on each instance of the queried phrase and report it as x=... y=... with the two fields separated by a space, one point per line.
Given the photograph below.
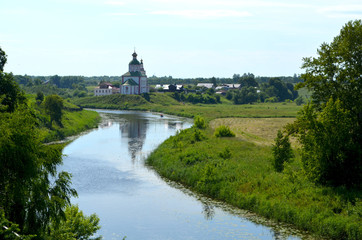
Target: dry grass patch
x=258 y=130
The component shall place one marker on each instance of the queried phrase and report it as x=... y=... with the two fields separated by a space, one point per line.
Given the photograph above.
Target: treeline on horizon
x=253 y=89
x=74 y=82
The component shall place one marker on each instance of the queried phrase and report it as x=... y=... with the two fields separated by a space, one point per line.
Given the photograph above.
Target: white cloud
x=203 y=13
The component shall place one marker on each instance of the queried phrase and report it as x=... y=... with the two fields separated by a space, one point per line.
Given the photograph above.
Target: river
x=132 y=200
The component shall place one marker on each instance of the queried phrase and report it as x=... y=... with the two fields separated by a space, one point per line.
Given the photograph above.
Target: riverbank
x=239 y=171
x=74 y=123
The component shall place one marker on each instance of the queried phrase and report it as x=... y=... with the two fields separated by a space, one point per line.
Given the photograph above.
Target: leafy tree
x=76 y=226
x=54 y=105
x=330 y=128
x=9 y=230
x=24 y=80
x=279 y=90
x=39 y=97
x=337 y=71
x=38 y=81
x=229 y=95
x=32 y=193
x=3 y=60
x=245 y=95
x=9 y=89
x=248 y=80
x=26 y=165
x=55 y=80
x=236 y=78
x=330 y=153
x=291 y=89
x=282 y=151
x=10 y=94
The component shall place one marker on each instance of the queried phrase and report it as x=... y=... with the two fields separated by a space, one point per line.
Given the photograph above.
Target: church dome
x=134 y=60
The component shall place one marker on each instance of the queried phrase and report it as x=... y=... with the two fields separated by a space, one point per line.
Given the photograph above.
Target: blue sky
x=179 y=38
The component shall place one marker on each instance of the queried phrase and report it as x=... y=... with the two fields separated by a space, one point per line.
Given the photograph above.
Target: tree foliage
x=282 y=151
x=54 y=107
x=10 y=94
x=3 y=59
x=199 y=122
x=33 y=194
x=76 y=226
x=330 y=128
x=29 y=197
x=330 y=153
x=248 y=80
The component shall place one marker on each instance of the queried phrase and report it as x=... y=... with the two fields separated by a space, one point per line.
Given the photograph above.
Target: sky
x=178 y=38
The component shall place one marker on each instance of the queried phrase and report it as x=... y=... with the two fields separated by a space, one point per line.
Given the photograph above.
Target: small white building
x=135 y=80
x=205 y=85
x=105 y=89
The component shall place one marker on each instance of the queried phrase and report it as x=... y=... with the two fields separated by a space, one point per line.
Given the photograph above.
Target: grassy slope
x=74 y=120
x=247 y=180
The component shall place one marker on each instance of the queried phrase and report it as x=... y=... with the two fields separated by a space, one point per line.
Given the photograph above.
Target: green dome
x=134 y=62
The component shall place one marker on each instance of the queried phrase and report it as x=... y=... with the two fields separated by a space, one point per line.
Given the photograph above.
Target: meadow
x=238 y=170
x=163 y=102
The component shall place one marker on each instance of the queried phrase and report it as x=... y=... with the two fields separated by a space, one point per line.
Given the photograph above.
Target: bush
x=225 y=154
x=224 y=131
x=199 y=122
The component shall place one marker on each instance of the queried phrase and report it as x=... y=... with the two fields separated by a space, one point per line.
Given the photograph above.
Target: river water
x=107 y=165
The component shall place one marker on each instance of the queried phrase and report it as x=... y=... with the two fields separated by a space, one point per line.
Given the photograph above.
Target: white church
x=133 y=82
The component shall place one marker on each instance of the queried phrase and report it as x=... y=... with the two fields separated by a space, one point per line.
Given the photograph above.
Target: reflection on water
x=208 y=211
x=131 y=200
x=134 y=131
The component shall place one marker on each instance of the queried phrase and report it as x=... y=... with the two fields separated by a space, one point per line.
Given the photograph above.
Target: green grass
x=163 y=102
x=240 y=173
x=74 y=122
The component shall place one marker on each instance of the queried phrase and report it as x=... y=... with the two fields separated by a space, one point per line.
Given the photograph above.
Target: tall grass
x=241 y=173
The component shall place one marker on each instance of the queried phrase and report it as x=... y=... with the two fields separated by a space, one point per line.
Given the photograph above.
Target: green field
x=163 y=102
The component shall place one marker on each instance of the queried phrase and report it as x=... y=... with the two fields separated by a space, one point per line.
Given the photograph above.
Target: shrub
x=226 y=154
x=199 y=122
x=224 y=131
